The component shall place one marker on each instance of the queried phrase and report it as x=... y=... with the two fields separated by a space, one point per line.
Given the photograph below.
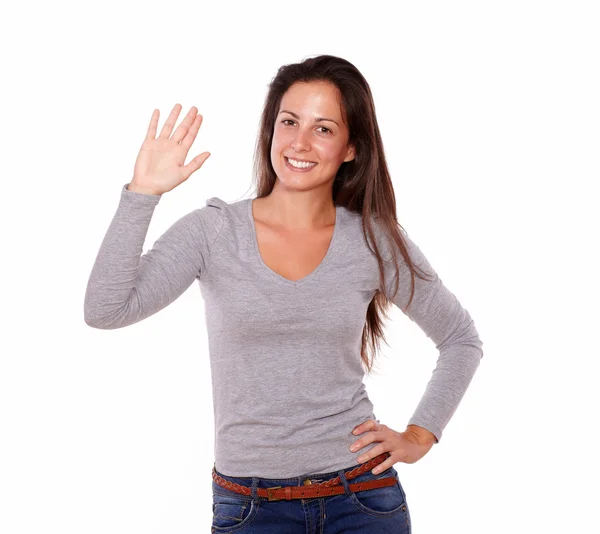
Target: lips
x=300 y=160
x=307 y=168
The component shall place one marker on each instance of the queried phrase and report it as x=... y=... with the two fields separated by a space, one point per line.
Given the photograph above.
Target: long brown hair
x=362 y=185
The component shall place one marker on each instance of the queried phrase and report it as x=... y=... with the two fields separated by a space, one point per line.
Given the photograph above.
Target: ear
x=351 y=154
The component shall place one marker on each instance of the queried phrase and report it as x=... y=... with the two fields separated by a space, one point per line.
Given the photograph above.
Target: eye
x=284 y=121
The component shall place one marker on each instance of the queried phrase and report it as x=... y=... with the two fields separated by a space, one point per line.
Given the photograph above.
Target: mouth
x=299 y=165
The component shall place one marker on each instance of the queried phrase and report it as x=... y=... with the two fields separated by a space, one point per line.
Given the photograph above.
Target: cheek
x=279 y=144
x=329 y=152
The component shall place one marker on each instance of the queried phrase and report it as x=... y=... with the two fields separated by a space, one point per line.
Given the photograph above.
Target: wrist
x=423 y=435
x=132 y=186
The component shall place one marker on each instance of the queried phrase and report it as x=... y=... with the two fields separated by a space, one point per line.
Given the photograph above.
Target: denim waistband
x=316 y=478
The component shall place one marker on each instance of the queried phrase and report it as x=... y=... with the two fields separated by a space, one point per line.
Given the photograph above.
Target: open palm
x=159 y=166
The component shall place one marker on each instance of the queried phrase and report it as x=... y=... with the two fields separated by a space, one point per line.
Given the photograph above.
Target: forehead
x=312 y=97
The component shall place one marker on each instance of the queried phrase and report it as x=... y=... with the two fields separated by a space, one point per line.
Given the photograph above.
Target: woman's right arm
x=124 y=286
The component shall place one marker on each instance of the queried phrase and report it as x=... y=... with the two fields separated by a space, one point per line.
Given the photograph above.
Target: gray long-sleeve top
x=285 y=358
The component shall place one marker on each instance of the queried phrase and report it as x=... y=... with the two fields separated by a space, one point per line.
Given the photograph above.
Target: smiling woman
x=294 y=231
x=294 y=283
x=303 y=144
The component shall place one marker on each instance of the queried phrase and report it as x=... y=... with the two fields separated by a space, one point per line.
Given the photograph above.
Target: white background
x=489 y=113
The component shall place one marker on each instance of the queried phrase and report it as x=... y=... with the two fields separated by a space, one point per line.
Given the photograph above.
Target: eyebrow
x=318 y=119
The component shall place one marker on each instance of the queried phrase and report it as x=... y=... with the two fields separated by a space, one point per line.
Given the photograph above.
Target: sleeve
x=439 y=314
x=124 y=286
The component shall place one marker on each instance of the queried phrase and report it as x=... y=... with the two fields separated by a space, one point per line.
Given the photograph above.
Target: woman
x=294 y=283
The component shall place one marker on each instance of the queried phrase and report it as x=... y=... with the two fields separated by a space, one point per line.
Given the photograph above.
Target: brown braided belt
x=309 y=490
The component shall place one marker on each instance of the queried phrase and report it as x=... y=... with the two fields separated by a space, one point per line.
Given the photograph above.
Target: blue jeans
x=378 y=510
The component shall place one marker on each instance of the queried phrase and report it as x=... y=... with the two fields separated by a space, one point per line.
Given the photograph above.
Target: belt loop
x=344 y=481
x=255 y=496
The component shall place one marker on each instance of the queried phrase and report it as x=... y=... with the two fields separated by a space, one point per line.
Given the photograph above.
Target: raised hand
x=159 y=166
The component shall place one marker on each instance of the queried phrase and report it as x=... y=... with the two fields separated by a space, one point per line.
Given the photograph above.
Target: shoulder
x=217 y=215
x=216 y=202
x=208 y=221
x=358 y=227
x=217 y=210
x=226 y=211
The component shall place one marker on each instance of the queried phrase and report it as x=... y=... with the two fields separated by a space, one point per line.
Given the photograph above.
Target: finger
x=195 y=164
x=379 y=468
x=363 y=427
x=371 y=453
x=365 y=440
x=359 y=429
x=167 y=128
x=151 y=133
x=188 y=140
x=185 y=125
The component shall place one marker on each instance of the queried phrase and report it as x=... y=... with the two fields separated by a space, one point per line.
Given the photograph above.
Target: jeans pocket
x=231 y=513
x=381 y=502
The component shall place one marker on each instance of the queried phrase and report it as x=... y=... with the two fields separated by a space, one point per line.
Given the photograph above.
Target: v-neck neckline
x=277 y=276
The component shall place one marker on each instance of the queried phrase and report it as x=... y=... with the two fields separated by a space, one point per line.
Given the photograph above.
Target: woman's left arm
x=439 y=314
x=437 y=311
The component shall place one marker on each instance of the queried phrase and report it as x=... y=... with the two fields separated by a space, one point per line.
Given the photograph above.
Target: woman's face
x=309 y=127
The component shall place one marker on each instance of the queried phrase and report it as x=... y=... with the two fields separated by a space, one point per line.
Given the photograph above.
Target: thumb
x=195 y=164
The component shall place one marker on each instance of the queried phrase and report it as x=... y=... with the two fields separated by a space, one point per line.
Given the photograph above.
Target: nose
x=300 y=141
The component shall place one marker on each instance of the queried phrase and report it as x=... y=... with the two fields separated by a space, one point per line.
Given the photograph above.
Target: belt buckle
x=270 y=493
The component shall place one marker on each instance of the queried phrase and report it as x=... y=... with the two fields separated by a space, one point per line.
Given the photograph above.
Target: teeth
x=300 y=164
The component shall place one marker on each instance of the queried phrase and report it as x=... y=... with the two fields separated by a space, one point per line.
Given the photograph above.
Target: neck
x=298 y=210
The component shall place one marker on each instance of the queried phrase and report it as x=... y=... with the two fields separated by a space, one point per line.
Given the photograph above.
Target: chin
x=299 y=183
